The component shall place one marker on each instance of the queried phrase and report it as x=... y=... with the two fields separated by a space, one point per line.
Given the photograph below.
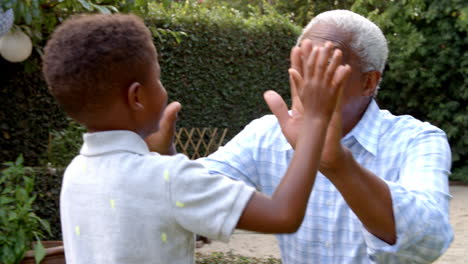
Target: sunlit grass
x=229 y=258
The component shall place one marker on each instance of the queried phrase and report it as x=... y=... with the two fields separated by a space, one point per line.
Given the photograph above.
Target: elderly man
x=381 y=195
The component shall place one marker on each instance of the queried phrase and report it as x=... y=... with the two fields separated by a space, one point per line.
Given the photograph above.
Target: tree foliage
x=38 y=18
x=427 y=69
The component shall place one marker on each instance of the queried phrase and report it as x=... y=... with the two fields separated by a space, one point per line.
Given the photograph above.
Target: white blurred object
x=15 y=46
x=6 y=21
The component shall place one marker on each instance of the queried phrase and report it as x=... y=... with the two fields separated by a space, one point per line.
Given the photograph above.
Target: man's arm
x=414 y=209
x=366 y=194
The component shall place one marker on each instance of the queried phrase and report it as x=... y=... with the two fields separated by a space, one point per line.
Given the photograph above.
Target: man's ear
x=135 y=96
x=371 y=82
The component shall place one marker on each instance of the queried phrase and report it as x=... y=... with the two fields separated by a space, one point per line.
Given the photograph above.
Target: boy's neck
x=114 y=120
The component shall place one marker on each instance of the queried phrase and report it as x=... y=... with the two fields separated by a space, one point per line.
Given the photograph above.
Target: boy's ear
x=135 y=96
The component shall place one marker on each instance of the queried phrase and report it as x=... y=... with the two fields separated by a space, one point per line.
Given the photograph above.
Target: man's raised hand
x=162 y=141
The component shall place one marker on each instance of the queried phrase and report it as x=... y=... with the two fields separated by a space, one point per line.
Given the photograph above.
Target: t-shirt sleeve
x=206 y=204
x=238 y=158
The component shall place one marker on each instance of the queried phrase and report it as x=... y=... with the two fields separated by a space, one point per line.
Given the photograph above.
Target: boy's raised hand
x=329 y=73
x=162 y=141
x=323 y=79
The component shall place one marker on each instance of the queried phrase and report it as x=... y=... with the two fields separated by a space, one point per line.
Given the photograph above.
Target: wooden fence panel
x=199 y=142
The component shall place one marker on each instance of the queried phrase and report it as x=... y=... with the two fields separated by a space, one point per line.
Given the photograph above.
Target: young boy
x=121 y=203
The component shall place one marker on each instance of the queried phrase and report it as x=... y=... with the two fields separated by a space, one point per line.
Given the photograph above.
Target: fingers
x=321 y=63
x=277 y=106
x=342 y=74
x=293 y=85
x=296 y=61
x=296 y=82
x=306 y=49
x=335 y=61
x=296 y=64
x=311 y=62
x=169 y=118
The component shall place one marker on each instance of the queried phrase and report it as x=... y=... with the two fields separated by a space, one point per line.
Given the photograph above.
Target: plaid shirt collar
x=367 y=130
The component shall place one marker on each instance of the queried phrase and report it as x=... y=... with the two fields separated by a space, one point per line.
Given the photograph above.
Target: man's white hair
x=367 y=40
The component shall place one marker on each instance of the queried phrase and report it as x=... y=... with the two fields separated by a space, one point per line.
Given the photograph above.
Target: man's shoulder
x=406 y=127
x=265 y=126
x=264 y=132
x=266 y=123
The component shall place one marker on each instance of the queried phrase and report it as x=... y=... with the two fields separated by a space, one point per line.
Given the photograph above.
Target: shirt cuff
x=405 y=219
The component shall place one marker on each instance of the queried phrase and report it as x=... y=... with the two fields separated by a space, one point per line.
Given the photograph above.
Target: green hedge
x=217 y=63
x=220 y=63
x=27 y=112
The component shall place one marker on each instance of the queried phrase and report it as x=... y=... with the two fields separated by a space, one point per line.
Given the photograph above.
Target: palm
x=291 y=122
x=162 y=141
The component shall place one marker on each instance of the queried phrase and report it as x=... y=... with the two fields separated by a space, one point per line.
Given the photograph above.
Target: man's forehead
x=321 y=33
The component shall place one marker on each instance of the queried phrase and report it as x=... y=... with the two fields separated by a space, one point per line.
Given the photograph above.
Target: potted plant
x=20 y=228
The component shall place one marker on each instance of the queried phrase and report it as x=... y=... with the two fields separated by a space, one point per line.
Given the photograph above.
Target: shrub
x=19 y=225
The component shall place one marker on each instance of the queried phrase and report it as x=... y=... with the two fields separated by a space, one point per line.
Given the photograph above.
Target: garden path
x=265 y=246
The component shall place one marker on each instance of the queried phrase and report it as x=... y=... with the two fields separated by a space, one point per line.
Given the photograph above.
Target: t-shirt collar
x=99 y=143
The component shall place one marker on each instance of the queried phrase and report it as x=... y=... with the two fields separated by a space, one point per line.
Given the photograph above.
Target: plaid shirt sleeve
x=420 y=204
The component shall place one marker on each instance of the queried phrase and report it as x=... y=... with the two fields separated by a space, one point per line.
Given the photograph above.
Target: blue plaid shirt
x=412 y=157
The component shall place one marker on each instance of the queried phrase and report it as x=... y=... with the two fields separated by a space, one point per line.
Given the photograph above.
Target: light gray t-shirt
x=121 y=203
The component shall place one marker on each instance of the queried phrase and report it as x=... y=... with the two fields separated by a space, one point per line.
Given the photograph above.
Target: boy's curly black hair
x=90 y=59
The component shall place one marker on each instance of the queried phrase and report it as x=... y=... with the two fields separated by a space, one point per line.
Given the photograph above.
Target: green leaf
x=6 y=200
x=112 y=8
x=21 y=195
x=39 y=251
x=28 y=183
x=86 y=5
x=44 y=223
x=19 y=161
x=101 y=9
x=12 y=216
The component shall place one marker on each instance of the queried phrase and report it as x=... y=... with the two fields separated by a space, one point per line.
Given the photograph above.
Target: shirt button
x=328 y=244
x=329 y=203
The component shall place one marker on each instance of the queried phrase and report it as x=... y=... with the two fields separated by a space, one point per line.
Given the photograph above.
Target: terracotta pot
x=55 y=254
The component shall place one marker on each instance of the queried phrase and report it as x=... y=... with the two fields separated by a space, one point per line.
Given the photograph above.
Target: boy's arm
x=323 y=81
x=162 y=141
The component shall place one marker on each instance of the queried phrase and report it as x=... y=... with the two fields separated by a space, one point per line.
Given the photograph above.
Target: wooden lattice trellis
x=199 y=142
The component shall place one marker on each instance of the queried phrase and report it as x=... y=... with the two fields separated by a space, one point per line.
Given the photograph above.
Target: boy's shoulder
x=178 y=165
